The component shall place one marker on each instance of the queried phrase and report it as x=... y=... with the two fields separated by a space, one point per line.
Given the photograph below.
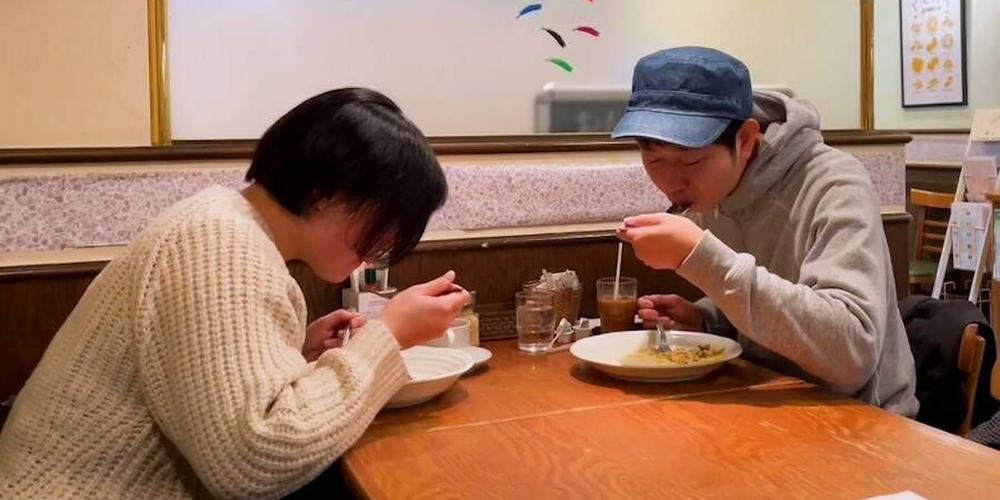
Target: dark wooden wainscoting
x=34 y=301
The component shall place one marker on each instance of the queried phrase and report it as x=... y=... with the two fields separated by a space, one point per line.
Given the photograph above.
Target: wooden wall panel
x=35 y=301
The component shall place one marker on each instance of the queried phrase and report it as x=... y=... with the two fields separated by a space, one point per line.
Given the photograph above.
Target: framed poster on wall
x=932 y=50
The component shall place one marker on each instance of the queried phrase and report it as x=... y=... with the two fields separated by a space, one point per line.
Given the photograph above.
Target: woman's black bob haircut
x=354 y=146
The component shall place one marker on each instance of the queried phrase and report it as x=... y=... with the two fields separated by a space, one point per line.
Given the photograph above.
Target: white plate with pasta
x=628 y=355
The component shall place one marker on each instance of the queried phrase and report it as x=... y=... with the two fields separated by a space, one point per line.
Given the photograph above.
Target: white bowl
x=433 y=370
x=478 y=354
x=607 y=352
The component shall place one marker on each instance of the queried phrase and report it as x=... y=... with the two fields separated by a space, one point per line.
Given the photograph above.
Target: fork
x=662 y=344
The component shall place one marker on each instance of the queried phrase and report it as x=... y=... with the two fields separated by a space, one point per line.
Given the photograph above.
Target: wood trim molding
x=860 y=138
x=21 y=272
x=929 y=131
x=159 y=97
x=867 y=64
x=533 y=240
x=896 y=217
x=944 y=166
x=122 y=154
x=941 y=131
x=520 y=241
x=243 y=149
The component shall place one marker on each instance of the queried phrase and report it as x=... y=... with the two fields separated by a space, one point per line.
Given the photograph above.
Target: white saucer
x=479 y=355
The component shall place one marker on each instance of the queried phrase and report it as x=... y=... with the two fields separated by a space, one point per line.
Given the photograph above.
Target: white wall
x=468 y=67
x=73 y=73
x=983 y=63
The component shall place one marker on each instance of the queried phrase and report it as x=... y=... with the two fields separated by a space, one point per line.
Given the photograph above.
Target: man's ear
x=746 y=139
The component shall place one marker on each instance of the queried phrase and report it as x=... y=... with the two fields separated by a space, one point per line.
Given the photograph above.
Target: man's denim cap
x=686 y=96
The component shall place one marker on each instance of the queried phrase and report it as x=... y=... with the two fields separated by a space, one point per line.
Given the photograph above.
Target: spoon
x=679 y=209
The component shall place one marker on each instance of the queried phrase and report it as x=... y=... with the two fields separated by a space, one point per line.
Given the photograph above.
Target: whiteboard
x=461 y=67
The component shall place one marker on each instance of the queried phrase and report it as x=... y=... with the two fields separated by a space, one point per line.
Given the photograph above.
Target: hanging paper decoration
x=556 y=36
x=528 y=9
x=565 y=66
x=535 y=8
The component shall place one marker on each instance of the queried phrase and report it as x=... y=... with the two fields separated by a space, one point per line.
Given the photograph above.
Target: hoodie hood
x=791 y=129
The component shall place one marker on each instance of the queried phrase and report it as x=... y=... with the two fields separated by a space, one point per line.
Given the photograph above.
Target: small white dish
x=479 y=355
x=607 y=354
x=433 y=370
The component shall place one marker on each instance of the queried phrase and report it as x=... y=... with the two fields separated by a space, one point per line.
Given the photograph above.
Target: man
x=792 y=258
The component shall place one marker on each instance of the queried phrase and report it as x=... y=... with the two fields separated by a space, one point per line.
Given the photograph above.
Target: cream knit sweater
x=180 y=374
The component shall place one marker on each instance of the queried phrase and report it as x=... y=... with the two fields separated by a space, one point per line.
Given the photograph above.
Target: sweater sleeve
x=715 y=322
x=831 y=322
x=221 y=325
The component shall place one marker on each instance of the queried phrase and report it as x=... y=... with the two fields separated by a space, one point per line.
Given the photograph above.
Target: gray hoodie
x=795 y=260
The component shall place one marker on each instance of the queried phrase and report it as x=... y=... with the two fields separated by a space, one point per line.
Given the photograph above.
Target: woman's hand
x=423 y=312
x=324 y=333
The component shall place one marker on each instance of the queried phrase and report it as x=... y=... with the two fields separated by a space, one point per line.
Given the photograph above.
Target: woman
x=187 y=369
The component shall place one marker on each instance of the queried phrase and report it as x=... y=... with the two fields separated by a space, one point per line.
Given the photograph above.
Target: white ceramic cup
x=455 y=336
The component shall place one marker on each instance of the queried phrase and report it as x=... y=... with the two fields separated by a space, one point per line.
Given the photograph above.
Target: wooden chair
x=995 y=322
x=994 y=199
x=995 y=374
x=970 y=362
x=929 y=236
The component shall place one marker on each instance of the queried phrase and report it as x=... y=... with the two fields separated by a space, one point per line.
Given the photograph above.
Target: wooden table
x=547 y=427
